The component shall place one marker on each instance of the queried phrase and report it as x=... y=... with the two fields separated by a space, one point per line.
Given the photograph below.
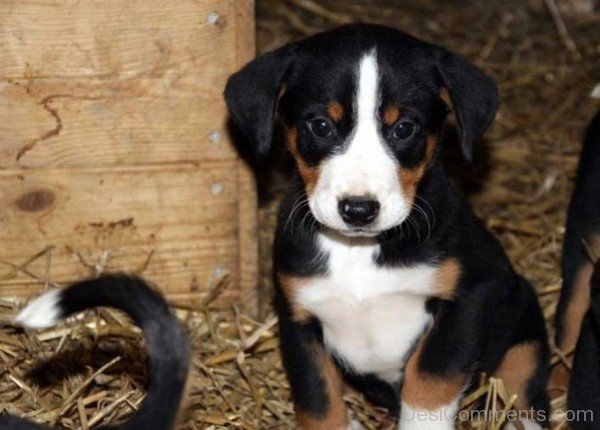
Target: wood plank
x=125 y=82
x=245 y=48
x=112 y=40
x=108 y=116
x=70 y=130
x=185 y=215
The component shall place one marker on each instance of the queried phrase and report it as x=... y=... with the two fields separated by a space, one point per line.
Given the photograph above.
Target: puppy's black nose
x=358 y=211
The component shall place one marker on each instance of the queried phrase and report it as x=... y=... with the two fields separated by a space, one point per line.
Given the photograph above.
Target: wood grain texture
x=114 y=144
x=183 y=215
x=100 y=39
x=248 y=203
x=71 y=130
x=87 y=83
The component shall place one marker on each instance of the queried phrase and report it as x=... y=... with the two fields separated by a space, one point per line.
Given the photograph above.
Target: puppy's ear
x=251 y=96
x=473 y=95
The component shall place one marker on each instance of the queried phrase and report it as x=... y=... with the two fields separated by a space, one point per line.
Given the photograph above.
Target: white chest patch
x=371 y=316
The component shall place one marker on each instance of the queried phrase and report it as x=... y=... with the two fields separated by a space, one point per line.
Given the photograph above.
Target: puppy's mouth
x=359 y=232
x=359 y=219
x=344 y=230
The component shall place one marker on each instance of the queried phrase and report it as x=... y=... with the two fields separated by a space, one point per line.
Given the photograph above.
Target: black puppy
x=584 y=385
x=583 y=226
x=385 y=278
x=166 y=341
x=575 y=328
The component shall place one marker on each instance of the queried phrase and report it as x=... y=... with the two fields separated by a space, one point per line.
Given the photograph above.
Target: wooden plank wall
x=113 y=144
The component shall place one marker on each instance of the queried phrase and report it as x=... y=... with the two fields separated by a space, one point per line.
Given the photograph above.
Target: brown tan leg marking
x=577 y=307
x=410 y=178
x=391 y=115
x=290 y=286
x=446 y=279
x=336 y=417
x=445 y=96
x=516 y=371
x=310 y=175
x=574 y=313
x=558 y=382
x=335 y=110
x=423 y=391
x=579 y=302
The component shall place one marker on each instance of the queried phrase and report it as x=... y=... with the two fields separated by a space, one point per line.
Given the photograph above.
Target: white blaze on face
x=366 y=167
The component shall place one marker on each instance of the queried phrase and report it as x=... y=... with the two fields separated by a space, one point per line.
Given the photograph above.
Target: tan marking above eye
x=310 y=175
x=391 y=115
x=429 y=392
x=335 y=110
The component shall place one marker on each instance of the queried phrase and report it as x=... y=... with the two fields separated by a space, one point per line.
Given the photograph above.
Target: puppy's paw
x=421 y=419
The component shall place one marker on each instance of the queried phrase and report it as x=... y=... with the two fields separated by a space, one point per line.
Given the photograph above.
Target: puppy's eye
x=319 y=127
x=405 y=129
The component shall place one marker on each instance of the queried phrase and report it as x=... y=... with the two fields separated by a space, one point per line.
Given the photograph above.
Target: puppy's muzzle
x=358 y=211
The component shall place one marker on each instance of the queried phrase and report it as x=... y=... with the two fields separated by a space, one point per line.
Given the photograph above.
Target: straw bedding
x=545 y=57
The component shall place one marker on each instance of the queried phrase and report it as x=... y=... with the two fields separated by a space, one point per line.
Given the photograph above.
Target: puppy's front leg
x=439 y=370
x=316 y=384
x=327 y=409
x=430 y=401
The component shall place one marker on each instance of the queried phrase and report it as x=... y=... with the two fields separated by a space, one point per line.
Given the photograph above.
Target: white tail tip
x=42 y=312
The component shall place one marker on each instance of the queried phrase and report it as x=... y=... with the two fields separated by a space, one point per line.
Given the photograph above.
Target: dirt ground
x=519 y=184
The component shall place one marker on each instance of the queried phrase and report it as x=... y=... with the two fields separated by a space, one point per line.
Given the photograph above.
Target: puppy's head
x=362 y=106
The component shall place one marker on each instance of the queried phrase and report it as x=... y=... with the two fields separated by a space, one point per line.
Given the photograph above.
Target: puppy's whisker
x=415 y=226
x=303 y=220
x=418 y=213
x=417 y=229
x=408 y=225
x=301 y=206
x=424 y=213
x=433 y=220
x=401 y=231
x=298 y=203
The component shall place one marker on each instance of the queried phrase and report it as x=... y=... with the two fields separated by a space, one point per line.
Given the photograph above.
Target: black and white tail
x=165 y=338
